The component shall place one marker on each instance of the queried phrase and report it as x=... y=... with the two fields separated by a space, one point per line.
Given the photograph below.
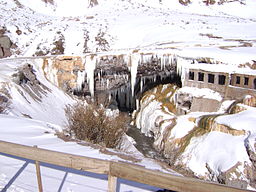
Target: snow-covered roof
x=224 y=68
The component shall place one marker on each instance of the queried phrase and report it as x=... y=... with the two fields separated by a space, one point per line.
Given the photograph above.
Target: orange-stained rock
x=63 y=70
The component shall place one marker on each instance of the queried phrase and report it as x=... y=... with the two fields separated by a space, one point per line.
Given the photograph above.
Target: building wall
x=230 y=89
x=242 y=83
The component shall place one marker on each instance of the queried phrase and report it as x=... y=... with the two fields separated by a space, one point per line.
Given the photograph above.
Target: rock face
x=5 y=45
x=63 y=71
x=4 y=103
x=26 y=78
x=122 y=78
x=211 y=147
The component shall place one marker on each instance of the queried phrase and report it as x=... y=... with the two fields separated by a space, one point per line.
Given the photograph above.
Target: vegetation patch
x=91 y=123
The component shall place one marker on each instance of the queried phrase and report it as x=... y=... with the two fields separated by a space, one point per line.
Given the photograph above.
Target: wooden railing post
x=38 y=174
x=112 y=180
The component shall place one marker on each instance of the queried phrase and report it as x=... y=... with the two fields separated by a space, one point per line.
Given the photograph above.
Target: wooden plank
x=38 y=175
x=39 y=178
x=112 y=183
x=166 y=181
x=114 y=170
x=56 y=158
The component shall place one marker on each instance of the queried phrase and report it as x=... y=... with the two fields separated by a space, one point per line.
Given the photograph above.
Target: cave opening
x=124 y=99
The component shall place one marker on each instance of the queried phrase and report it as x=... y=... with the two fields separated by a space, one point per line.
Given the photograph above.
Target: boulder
x=5 y=45
x=5 y=42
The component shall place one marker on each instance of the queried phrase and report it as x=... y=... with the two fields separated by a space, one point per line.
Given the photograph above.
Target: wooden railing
x=113 y=169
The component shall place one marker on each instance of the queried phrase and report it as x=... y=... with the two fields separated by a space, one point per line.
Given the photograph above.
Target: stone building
x=230 y=82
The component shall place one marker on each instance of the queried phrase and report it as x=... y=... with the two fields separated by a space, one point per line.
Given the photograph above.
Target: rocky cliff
x=210 y=146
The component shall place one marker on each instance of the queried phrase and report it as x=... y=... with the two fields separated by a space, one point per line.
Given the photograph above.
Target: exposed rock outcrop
x=26 y=78
x=5 y=44
x=185 y=140
x=63 y=71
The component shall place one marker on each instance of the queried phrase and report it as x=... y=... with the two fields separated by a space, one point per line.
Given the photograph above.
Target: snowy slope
x=49 y=104
x=33 y=118
x=193 y=30
x=19 y=175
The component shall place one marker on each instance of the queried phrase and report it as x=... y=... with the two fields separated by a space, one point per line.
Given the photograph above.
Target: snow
x=244 y=120
x=225 y=68
x=220 y=156
x=35 y=122
x=59 y=7
x=208 y=154
x=147 y=26
x=201 y=92
x=32 y=132
x=182 y=128
x=53 y=101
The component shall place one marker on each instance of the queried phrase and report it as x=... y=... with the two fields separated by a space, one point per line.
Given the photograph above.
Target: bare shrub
x=101 y=41
x=58 y=45
x=91 y=123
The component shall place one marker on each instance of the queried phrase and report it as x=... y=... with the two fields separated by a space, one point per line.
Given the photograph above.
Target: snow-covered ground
x=223 y=32
x=197 y=30
x=222 y=146
x=19 y=175
x=34 y=118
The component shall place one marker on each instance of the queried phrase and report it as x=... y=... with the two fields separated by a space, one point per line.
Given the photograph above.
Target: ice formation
x=80 y=79
x=181 y=68
x=90 y=65
x=135 y=60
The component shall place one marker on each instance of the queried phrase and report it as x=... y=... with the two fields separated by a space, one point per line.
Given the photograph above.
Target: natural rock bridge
x=115 y=80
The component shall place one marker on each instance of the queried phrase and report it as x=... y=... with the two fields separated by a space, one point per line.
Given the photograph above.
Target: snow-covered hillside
x=39 y=28
x=224 y=31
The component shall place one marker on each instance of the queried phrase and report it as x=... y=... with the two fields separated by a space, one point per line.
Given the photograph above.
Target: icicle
x=182 y=68
x=90 y=65
x=141 y=84
x=99 y=77
x=109 y=96
x=107 y=83
x=171 y=60
x=135 y=59
x=166 y=61
x=162 y=63
x=137 y=104
x=80 y=80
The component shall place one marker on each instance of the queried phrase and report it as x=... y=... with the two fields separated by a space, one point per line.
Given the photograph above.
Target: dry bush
x=101 y=41
x=58 y=46
x=91 y=123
